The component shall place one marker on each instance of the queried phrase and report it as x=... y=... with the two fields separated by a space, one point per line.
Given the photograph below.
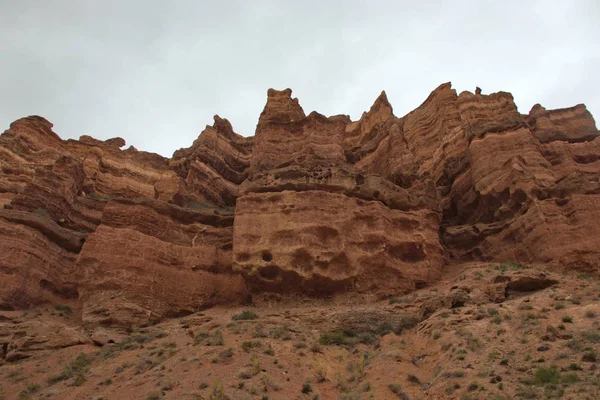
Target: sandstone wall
x=310 y=204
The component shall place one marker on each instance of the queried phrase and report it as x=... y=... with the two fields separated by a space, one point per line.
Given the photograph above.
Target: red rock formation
x=317 y=242
x=169 y=261
x=214 y=166
x=574 y=124
x=68 y=231
x=310 y=204
x=299 y=225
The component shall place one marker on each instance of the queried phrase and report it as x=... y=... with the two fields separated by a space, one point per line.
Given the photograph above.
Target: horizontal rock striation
x=311 y=204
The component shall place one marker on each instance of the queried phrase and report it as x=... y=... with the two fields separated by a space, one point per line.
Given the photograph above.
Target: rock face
x=317 y=242
x=310 y=204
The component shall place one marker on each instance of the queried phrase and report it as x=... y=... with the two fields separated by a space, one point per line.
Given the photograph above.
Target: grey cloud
x=155 y=72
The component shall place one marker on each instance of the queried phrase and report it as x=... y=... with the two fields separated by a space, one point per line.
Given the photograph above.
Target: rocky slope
x=498 y=332
x=310 y=206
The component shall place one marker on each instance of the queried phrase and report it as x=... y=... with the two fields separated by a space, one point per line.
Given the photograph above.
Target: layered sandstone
x=86 y=221
x=310 y=204
x=310 y=221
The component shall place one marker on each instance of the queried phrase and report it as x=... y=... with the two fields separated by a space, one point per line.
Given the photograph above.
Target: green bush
x=591 y=335
x=570 y=378
x=307 y=388
x=77 y=367
x=216 y=339
x=63 y=308
x=544 y=376
x=245 y=315
x=346 y=337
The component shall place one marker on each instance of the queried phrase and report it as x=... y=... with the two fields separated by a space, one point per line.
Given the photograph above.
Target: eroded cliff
x=311 y=204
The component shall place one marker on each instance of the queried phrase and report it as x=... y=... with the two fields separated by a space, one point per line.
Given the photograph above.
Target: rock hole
x=457 y=304
x=269 y=272
x=359 y=179
x=407 y=252
x=420 y=284
x=267 y=256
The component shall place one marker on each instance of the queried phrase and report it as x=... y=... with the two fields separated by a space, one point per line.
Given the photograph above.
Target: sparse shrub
x=357 y=369
x=452 y=388
x=33 y=387
x=397 y=390
x=525 y=306
x=63 y=308
x=216 y=339
x=590 y=314
x=567 y=319
x=227 y=353
x=259 y=331
x=168 y=384
x=159 y=334
x=154 y=396
x=217 y=392
x=407 y=321
x=575 y=344
x=570 y=378
x=269 y=351
x=255 y=364
x=77 y=368
x=544 y=376
x=307 y=388
x=320 y=372
x=249 y=345
x=454 y=374
x=473 y=343
x=589 y=356
x=346 y=337
x=384 y=328
x=245 y=315
x=315 y=348
x=591 y=335
x=575 y=367
x=527 y=392
x=279 y=332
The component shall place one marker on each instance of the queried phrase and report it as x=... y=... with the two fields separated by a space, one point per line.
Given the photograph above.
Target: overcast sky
x=155 y=72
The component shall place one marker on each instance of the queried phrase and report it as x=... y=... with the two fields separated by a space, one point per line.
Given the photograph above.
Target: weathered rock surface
x=310 y=204
x=167 y=261
x=23 y=337
x=319 y=242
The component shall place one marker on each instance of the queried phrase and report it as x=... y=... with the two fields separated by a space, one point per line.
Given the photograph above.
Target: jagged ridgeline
x=310 y=205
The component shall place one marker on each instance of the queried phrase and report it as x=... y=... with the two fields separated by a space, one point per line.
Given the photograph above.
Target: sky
x=155 y=72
